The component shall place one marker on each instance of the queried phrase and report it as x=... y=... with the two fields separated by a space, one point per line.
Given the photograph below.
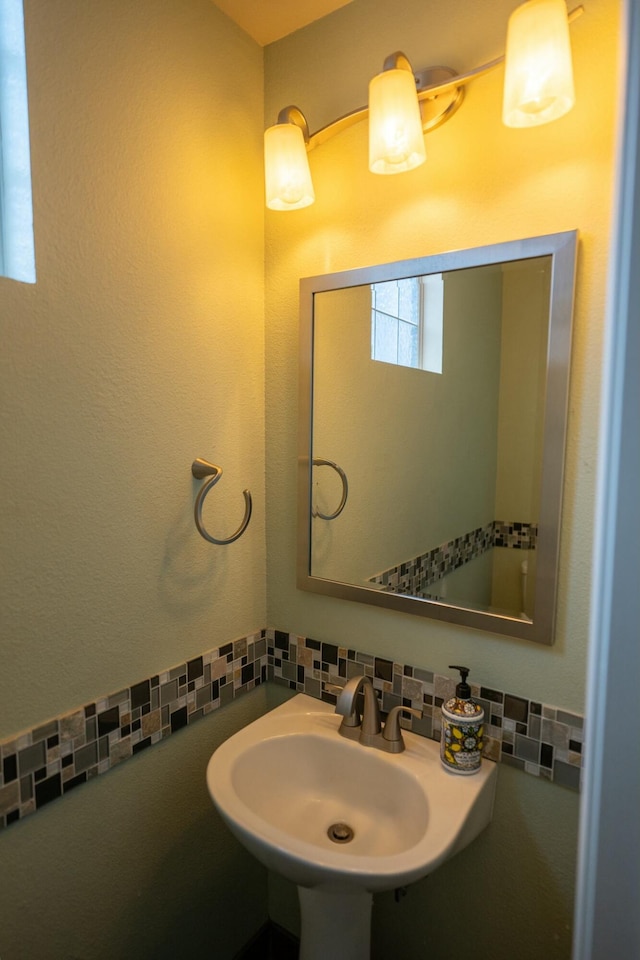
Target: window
x=407 y=322
x=17 y=258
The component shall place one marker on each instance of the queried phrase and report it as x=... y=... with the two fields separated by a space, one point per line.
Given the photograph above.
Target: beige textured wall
x=481 y=183
x=135 y=865
x=139 y=348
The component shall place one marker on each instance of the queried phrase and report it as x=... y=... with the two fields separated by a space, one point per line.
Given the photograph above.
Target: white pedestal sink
x=282 y=782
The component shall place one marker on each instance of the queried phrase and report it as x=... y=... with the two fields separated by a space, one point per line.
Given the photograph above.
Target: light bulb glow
x=396 y=139
x=538 y=82
x=288 y=183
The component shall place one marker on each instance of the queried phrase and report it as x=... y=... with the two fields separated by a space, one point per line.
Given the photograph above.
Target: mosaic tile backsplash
x=416 y=575
x=540 y=739
x=50 y=760
x=47 y=762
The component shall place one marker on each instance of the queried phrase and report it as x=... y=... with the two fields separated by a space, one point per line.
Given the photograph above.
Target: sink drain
x=340 y=833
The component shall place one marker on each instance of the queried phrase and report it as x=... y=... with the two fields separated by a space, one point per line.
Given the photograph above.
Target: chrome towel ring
x=318 y=462
x=201 y=469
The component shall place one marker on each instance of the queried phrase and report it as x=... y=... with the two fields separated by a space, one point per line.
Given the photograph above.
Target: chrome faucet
x=368 y=729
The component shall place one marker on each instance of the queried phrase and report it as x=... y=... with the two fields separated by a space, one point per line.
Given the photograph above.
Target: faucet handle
x=392 y=734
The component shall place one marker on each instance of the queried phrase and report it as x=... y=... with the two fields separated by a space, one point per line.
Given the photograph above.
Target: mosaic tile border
x=416 y=575
x=54 y=758
x=534 y=737
x=516 y=535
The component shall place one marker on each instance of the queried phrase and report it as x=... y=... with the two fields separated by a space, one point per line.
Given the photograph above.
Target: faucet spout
x=368 y=731
x=346 y=707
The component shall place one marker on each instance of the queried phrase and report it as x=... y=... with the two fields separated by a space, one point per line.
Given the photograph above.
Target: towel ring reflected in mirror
x=319 y=462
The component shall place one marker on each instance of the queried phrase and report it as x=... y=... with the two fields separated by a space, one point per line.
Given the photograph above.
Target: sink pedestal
x=335 y=923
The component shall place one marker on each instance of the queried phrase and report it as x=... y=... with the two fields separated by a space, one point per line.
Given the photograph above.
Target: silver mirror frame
x=562 y=247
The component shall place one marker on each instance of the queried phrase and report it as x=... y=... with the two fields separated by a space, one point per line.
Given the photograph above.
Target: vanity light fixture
x=396 y=141
x=538 y=79
x=286 y=166
x=404 y=104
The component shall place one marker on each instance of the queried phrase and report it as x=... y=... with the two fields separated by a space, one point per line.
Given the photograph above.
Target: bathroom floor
x=271 y=943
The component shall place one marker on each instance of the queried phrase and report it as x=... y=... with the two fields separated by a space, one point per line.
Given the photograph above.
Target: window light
x=17 y=258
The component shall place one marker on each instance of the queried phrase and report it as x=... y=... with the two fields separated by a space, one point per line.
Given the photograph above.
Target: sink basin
x=284 y=780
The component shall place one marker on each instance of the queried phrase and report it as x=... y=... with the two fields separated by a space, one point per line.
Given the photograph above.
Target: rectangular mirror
x=433 y=407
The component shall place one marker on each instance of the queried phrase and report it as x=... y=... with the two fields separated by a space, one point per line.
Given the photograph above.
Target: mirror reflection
x=434 y=460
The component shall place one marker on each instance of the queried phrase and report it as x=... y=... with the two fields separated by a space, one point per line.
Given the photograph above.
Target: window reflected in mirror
x=407 y=321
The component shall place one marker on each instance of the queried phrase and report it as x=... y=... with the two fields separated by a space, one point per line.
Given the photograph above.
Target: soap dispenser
x=462 y=726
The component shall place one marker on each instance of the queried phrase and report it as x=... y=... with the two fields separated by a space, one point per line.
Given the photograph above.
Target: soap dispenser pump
x=462 y=729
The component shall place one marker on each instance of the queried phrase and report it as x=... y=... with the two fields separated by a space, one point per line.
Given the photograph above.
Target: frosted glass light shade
x=538 y=81
x=286 y=168
x=396 y=140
